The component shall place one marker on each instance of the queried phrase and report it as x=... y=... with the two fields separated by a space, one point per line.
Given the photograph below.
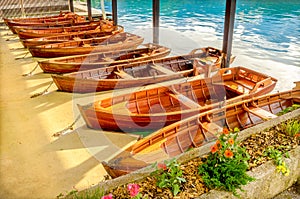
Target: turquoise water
x=266 y=35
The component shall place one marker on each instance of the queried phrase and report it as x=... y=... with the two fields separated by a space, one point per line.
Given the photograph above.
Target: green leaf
x=175 y=189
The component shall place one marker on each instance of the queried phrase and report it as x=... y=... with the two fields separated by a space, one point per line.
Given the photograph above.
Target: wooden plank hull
x=47 y=31
x=138 y=73
x=198 y=130
x=155 y=108
x=112 y=42
x=61 y=14
x=66 y=19
x=99 y=60
x=61 y=35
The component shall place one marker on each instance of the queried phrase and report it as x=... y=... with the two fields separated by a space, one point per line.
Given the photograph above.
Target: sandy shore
x=33 y=163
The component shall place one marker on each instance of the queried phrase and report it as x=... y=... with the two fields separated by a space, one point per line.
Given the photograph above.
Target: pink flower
x=162 y=166
x=133 y=189
x=109 y=196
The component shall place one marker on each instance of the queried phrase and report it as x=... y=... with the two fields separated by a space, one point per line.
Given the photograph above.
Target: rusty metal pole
x=89 y=7
x=228 y=32
x=71 y=4
x=155 y=11
x=114 y=5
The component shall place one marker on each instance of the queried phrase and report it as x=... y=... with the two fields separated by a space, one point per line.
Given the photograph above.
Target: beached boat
x=38 y=32
x=68 y=19
x=139 y=73
x=119 y=41
x=69 y=36
x=103 y=59
x=151 y=109
x=39 y=18
x=199 y=130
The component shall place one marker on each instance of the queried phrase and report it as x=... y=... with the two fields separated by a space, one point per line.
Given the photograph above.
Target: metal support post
x=71 y=5
x=115 y=11
x=228 y=32
x=155 y=11
x=89 y=7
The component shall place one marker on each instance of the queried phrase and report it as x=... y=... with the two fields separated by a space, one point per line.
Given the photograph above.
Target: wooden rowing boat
x=199 y=130
x=122 y=74
x=119 y=41
x=40 y=18
x=40 y=32
x=151 y=109
x=100 y=60
x=58 y=21
x=69 y=36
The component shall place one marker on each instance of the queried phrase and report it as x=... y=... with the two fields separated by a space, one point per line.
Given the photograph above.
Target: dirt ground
x=33 y=163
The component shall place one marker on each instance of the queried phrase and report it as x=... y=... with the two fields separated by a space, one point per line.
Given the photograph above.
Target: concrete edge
x=197 y=152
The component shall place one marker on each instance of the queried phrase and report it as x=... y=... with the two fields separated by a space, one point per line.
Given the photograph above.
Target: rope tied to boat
x=67 y=129
x=43 y=92
x=23 y=56
x=30 y=73
x=13 y=37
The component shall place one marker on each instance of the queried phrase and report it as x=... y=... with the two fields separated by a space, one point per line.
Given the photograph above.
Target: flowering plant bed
x=265 y=148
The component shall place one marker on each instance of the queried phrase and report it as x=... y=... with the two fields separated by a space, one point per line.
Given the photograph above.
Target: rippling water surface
x=266 y=33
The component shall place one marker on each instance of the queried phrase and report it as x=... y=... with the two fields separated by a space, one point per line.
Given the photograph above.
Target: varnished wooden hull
x=47 y=31
x=62 y=35
x=119 y=41
x=155 y=108
x=67 y=22
x=198 y=130
x=137 y=73
x=27 y=19
x=24 y=22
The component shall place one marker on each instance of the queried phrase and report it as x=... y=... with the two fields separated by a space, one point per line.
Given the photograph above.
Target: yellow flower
x=287 y=172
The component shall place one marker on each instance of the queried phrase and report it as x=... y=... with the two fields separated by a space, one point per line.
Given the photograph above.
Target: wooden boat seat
x=162 y=69
x=236 y=87
x=261 y=113
x=123 y=75
x=246 y=83
x=184 y=100
x=212 y=127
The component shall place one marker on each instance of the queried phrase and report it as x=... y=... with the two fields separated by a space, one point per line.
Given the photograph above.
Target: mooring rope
x=30 y=73
x=68 y=128
x=22 y=57
x=19 y=48
x=12 y=37
x=43 y=92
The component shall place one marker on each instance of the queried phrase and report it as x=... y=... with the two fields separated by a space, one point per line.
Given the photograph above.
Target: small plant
x=289 y=109
x=277 y=156
x=225 y=167
x=291 y=128
x=169 y=175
